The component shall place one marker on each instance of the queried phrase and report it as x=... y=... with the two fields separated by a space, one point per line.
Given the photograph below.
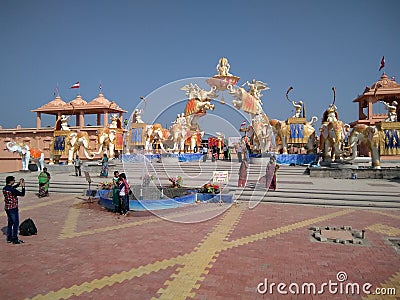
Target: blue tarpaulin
x=287 y=159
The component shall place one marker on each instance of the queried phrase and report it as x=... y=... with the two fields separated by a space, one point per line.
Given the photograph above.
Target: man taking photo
x=11 y=194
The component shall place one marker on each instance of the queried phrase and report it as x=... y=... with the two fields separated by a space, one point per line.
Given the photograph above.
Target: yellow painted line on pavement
x=87 y=287
x=38 y=205
x=388 y=290
x=270 y=233
x=385 y=229
x=71 y=220
x=203 y=257
x=69 y=232
x=193 y=272
x=385 y=214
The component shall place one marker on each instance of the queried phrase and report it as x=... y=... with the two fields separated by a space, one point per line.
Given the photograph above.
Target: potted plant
x=210 y=188
x=176 y=182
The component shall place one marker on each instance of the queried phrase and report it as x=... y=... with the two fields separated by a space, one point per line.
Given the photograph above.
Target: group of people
x=121 y=190
x=270 y=174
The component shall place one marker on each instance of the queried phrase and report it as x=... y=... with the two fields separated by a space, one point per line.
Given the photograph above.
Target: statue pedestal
x=338 y=165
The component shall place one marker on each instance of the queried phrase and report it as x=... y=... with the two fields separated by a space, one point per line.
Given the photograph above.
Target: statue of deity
x=298 y=107
x=223 y=67
x=137 y=116
x=392 y=111
x=331 y=114
x=62 y=123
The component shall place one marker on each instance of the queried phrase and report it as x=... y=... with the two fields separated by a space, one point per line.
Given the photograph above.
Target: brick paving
x=85 y=252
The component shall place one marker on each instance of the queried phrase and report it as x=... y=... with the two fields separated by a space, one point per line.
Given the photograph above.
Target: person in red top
x=11 y=194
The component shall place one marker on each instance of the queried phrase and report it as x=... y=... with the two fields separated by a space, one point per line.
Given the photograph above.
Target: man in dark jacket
x=11 y=194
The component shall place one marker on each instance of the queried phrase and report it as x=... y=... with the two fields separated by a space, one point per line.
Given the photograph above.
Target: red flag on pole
x=382 y=63
x=75 y=86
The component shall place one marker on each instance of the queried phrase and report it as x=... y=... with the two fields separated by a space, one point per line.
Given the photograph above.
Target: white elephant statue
x=178 y=134
x=73 y=141
x=106 y=140
x=369 y=135
x=261 y=132
x=160 y=135
x=148 y=146
x=155 y=134
x=193 y=91
x=283 y=134
x=332 y=140
x=27 y=154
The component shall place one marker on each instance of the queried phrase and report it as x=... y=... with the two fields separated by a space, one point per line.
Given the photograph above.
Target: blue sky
x=136 y=47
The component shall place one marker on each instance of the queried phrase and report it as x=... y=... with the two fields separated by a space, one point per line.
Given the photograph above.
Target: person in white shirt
x=77 y=164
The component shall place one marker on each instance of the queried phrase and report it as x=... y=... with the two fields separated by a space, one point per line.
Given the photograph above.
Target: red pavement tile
x=49 y=263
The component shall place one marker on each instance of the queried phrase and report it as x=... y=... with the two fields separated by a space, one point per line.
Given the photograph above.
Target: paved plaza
x=205 y=251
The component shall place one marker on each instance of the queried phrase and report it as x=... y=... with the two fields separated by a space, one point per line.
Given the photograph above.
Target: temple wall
x=37 y=138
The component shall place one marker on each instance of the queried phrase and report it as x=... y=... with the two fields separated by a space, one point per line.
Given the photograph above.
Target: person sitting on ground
x=42 y=191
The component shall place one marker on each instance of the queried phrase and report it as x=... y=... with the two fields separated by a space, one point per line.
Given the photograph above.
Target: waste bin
x=32 y=167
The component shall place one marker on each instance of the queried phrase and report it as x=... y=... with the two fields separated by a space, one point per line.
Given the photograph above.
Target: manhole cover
x=339 y=235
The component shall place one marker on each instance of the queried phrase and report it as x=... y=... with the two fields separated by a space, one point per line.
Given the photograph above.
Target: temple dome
x=104 y=102
x=385 y=82
x=100 y=100
x=57 y=102
x=78 y=101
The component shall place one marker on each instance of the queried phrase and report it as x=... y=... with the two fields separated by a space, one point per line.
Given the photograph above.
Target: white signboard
x=220 y=177
x=232 y=140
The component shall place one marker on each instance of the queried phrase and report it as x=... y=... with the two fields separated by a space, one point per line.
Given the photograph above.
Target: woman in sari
x=104 y=166
x=243 y=173
x=44 y=182
x=272 y=169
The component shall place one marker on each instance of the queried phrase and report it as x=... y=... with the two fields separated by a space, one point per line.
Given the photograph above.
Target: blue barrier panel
x=287 y=159
x=143 y=205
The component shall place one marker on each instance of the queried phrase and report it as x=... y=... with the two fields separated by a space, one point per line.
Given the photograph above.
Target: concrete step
x=293 y=186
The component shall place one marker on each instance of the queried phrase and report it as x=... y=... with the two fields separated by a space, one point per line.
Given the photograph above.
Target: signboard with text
x=220 y=177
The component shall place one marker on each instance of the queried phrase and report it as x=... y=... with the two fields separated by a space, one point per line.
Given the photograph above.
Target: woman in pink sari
x=272 y=169
x=243 y=173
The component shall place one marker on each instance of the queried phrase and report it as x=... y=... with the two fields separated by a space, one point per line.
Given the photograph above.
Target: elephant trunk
x=87 y=155
x=98 y=152
x=353 y=147
x=11 y=146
